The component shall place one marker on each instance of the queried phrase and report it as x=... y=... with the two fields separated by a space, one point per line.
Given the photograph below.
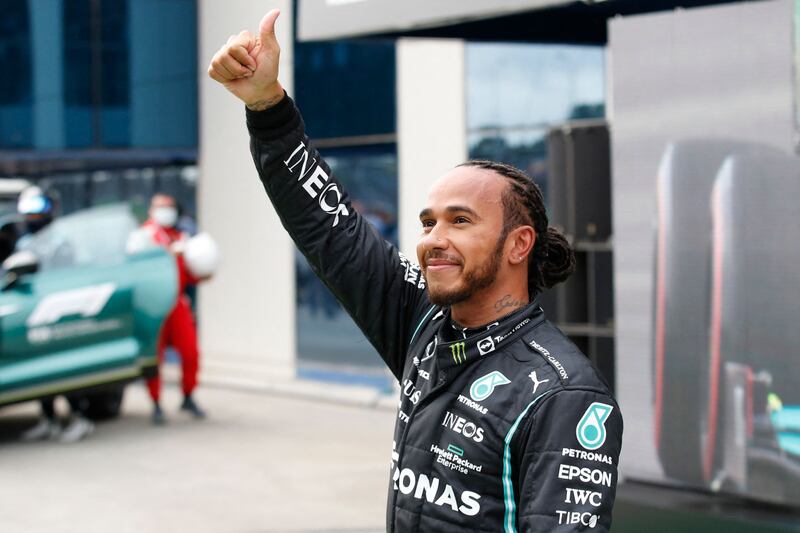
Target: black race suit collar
x=453 y=351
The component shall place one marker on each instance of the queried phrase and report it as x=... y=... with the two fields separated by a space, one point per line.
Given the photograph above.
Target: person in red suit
x=179 y=329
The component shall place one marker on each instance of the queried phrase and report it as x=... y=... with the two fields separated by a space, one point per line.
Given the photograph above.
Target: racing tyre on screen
x=754 y=321
x=682 y=289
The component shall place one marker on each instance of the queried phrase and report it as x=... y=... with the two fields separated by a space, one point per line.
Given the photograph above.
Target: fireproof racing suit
x=179 y=329
x=508 y=428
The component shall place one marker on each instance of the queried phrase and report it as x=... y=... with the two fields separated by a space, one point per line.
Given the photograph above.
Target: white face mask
x=166 y=217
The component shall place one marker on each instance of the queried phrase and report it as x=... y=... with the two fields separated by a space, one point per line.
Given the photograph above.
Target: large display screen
x=726 y=284
x=707 y=248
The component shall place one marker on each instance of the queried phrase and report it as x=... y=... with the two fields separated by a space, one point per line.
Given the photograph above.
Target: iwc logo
x=591 y=430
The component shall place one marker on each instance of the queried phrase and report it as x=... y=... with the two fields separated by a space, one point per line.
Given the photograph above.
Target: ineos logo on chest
x=463 y=426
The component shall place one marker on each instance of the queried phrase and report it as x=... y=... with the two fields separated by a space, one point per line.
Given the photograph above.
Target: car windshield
x=93 y=236
x=8 y=206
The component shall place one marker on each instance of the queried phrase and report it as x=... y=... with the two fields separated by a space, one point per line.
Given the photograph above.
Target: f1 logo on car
x=483 y=387
x=591 y=430
x=86 y=302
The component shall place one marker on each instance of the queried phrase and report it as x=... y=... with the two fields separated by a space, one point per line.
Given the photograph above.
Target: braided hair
x=552 y=259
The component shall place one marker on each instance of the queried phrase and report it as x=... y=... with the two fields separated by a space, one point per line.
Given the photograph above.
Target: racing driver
x=503 y=424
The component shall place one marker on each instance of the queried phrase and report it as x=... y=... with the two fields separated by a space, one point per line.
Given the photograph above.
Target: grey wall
x=345 y=18
x=712 y=72
x=247 y=311
x=431 y=124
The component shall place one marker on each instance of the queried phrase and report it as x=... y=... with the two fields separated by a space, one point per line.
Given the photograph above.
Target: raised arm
x=383 y=291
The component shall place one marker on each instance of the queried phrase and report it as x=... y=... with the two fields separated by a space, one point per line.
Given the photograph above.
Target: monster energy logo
x=457 y=350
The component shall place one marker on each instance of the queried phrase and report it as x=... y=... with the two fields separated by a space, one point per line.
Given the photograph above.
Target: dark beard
x=473 y=282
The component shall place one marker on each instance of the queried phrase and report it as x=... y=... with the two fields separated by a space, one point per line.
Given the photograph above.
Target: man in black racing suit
x=503 y=424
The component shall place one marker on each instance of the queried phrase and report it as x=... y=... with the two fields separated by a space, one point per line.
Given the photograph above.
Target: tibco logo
x=435 y=492
x=573 y=517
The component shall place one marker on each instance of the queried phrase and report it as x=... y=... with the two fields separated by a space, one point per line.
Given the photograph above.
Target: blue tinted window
x=119 y=87
x=526 y=150
x=513 y=85
x=163 y=85
x=16 y=89
x=115 y=69
x=346 y=88
x=516 y=91
x=326 y=336
x=77 y=43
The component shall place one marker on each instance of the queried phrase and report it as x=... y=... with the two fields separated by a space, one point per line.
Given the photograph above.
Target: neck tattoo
x=509 y=304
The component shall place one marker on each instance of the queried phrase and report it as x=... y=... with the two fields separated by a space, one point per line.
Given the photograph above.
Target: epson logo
x=435 y=492
x=585 y=475
x=463 y=426
x=330 y=199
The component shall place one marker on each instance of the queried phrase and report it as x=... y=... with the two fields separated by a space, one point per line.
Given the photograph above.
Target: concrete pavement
x=260 y=462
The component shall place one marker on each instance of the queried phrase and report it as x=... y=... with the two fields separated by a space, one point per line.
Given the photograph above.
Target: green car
x=81 y=309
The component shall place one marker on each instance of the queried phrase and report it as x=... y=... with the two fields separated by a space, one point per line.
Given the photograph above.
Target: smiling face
x=461 y=250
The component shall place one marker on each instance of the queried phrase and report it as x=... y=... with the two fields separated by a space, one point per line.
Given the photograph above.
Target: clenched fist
x=248 y=65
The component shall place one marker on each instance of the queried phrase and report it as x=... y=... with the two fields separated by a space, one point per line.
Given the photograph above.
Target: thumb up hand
x=247 y=65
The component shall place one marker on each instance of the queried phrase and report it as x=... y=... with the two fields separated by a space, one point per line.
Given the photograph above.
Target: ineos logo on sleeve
x=314 y=185
x=337 y=208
